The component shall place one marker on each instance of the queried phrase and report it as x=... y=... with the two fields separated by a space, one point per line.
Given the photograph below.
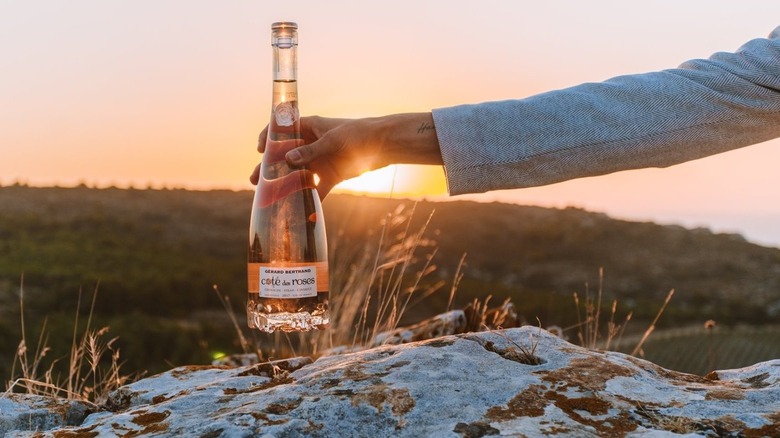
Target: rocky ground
x=518 y=382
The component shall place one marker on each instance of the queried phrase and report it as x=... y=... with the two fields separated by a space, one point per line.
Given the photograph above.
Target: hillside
x=532 y=253
x=153 y=256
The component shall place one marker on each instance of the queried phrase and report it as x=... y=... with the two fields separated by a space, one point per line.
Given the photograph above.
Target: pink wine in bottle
x=288 y=253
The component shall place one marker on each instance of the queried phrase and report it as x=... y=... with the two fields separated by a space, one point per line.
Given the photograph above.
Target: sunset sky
x=173 y=93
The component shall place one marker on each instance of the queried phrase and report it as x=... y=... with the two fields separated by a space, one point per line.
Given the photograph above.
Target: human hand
x=339 y=149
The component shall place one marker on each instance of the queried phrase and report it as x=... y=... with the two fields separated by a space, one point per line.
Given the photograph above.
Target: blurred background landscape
x=149 y=112
x=154 y=256
x=173 y=94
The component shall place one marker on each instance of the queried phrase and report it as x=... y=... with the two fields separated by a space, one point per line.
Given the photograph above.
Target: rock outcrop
x=518 y=382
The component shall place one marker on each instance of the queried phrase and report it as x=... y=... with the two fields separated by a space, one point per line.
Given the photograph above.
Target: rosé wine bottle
x=287 y=261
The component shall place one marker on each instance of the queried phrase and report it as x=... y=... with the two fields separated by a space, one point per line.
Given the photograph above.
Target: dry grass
x=589 y=320
x=378 y=281
x=674 y=424
x=387 y=289
x=651 y=328
x=93 y=363
x=246 y=346
x=382 y=279
x=397 y=259
x=520 y=353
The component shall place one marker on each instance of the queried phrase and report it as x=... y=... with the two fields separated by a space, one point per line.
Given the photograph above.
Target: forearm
x=650 y=120
x=408 y=138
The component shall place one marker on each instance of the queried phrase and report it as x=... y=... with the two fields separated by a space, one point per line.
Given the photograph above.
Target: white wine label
x=294 y=282
x=256 y=271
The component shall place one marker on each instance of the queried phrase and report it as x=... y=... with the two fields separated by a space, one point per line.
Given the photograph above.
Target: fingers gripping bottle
x=288 y=256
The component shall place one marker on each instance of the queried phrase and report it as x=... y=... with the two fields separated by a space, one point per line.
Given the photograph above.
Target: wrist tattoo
x=425 y=126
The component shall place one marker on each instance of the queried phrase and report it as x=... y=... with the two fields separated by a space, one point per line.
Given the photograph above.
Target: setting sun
x=402 y=180
x=375 y=182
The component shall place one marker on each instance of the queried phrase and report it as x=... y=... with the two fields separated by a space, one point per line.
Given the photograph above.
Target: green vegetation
x=699 y=350
x=154 y=256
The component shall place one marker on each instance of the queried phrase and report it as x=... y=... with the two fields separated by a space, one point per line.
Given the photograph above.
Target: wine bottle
x=287 y=253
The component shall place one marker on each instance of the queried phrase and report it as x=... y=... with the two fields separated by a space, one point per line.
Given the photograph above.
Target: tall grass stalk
x=651 y=328
x=27 y=369
x=588 y=332
x=456 y=282
x=246 y=346
x=616 y=330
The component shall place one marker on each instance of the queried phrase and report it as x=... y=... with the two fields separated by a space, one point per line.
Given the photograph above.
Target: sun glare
x=378 y=181
x=401 y=180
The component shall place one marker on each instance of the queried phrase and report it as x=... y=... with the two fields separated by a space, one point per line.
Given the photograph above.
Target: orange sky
x=174 y=93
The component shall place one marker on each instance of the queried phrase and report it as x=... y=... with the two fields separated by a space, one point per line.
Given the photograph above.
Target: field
x=699 y=350
x=153 y=256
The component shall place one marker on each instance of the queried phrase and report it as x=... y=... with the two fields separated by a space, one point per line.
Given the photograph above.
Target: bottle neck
x=284 y=41
x=284 y=131
x=285 y=123
x=285 y=88
x=285 y=62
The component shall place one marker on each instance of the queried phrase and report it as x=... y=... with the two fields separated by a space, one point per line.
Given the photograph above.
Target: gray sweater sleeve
x=701 y=108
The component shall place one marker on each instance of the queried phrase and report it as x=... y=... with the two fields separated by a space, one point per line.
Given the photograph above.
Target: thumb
x=306 y=154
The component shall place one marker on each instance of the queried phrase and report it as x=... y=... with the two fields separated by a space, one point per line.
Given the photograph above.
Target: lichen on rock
x=465 y=385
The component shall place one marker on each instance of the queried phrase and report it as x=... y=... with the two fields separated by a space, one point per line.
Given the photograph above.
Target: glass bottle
x=288 y=255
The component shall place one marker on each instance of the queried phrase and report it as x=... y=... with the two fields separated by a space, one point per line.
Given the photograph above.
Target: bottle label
x=294 y=280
